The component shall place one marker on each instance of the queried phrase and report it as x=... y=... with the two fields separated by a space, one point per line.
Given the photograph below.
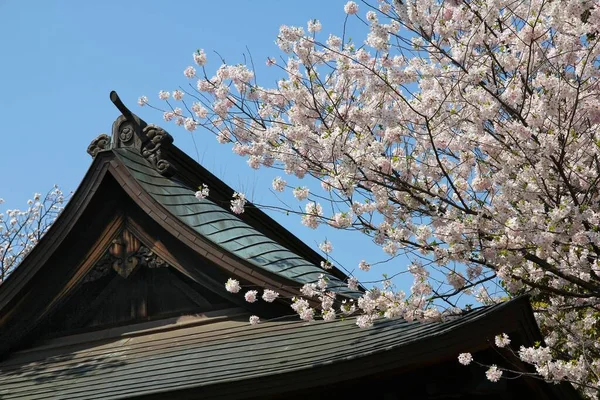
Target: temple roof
x=229 y=359
x=139 y=191
x=223 y=227
x=135 y=244
x=172 y=178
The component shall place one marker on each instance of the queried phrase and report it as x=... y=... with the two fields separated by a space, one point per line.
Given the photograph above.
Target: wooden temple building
x=124 y=298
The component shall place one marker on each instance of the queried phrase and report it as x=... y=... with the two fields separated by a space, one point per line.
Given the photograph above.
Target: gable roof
x=224 y=228
x=141 y=166
x=172 y=178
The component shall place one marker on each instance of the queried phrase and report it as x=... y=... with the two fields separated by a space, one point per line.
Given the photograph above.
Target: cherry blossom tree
x=20 y=230
x=464 y=134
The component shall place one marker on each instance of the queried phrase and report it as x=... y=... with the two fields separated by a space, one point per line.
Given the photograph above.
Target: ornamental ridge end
x=129 y=130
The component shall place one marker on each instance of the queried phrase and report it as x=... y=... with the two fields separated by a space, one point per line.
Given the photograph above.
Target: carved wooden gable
x=135 y=244
x=130 y=283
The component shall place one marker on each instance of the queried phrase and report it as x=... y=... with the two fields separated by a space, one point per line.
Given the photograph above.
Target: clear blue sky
x=60 y=60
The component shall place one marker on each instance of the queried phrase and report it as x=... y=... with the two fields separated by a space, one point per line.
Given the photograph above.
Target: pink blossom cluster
x=203 y=192
x=20 y=230
x=238 y=203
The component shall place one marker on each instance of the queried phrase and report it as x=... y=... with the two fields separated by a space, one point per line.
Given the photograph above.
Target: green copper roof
x=225 y=228
x=227 y=352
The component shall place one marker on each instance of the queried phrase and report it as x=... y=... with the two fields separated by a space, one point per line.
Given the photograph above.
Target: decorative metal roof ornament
x=102 y=142
x=152 y=150
x=130 y=131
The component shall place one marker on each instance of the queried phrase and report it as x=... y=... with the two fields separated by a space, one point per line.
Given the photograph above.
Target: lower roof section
x=211 y=357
